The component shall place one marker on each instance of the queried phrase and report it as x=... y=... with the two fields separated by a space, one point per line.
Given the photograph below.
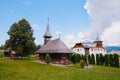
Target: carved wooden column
x=86 y=55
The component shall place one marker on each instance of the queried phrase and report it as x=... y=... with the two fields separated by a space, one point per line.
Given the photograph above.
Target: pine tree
x=116 y=60
x=111 y=60
x=101 y=59
x=89 y=59
x=78 y=57
x=93 y=59
x=97 y=59
x=47 y=58
x=74 y=58
x=70 y=57
x=106 y=60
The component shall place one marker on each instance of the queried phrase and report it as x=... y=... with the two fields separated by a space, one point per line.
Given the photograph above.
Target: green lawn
x=30 y=70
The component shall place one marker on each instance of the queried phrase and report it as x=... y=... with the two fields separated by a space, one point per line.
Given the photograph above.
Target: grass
x=30 y=70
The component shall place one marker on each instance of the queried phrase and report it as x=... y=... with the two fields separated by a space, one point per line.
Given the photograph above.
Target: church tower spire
x=47 y=36
x=98 y=38
x=99 y=42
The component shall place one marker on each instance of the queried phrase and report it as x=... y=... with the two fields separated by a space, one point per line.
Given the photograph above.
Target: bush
x=82 y=63
x=47 y=58
x=1 y=55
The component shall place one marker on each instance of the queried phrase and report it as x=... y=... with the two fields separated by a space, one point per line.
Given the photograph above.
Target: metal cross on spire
x=48 y=20
x=59 y=34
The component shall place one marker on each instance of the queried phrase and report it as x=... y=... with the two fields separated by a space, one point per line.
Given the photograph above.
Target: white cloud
x=105 y=21
x=58 y=33
x=71 y=39
x=111 y=35
x=104 y=15
x=35 y=27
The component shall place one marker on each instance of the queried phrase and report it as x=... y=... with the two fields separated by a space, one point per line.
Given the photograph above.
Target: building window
x=77 y=50
x=91 y=49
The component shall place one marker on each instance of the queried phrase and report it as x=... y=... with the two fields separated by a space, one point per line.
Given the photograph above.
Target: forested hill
x=110 y=48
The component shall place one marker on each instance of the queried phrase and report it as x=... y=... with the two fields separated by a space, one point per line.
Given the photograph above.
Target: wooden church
x=57 y=50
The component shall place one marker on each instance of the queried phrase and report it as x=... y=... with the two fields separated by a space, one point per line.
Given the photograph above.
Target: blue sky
x=66 y=16
x=76 y=20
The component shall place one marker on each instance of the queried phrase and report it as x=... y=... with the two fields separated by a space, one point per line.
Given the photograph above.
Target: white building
x=96 y=47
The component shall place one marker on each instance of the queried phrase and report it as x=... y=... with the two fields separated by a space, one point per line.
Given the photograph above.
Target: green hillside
x=30 y=70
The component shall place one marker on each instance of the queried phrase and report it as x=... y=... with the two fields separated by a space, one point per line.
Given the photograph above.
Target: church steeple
x=98 y=38
x=47 y=36
x=99 y=42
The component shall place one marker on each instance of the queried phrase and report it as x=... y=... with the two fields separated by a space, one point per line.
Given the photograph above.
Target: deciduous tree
x=21 y=38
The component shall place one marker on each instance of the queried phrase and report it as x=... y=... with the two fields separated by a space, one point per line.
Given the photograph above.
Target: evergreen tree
x=116 y=60
x=70 y=57
x=47 y=58
x=78 y=58
x=93 y=59
x=89 y=59
x=106 y=60
x=2 y=47
x=111 y=60
x=101 y=59
x=97 y=59
x=21 y=38
x=74 y=58
x=83 y=57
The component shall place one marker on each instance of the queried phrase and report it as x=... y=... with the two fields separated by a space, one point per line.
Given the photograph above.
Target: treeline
x=98 y=59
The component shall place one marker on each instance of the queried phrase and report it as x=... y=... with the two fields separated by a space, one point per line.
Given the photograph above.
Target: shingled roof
x=54 y=46
x=8 y=49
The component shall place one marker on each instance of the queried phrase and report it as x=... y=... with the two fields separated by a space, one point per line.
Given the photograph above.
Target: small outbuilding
x=12 y=54
x=7 y=52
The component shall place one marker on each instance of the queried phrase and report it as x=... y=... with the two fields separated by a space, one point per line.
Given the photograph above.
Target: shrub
x=82 y=63
x=1 y=55
x=47 y=58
